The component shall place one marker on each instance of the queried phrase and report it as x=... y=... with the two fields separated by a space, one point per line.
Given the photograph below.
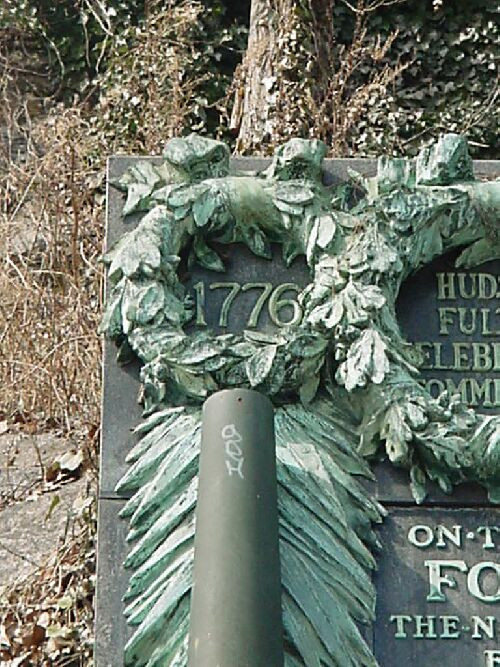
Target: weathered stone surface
x=121 y=412
x=111 y=630
x=34 y=515
x=32 y=528
x=455 y=635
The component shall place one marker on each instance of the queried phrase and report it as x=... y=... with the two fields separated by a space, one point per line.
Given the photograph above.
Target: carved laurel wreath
x=343 y=378
x=358 y=258
x=294 y=214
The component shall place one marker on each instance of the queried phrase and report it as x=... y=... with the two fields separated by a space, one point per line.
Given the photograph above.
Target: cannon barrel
x=235 y=618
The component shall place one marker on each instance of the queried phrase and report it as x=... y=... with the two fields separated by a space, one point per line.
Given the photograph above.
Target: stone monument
x=282 y=277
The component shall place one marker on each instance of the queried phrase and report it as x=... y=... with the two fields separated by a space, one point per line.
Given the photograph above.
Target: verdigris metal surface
x=121 y=385
x=401 y=491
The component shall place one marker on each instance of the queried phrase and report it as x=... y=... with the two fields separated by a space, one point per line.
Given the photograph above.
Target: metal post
x=236 y=600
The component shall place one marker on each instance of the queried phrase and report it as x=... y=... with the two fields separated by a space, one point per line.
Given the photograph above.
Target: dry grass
x=51 y=226
x=51 y=230
x=52 y=203
x=52 y=212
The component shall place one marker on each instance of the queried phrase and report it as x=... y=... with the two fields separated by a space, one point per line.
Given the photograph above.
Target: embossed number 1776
x=276 y=302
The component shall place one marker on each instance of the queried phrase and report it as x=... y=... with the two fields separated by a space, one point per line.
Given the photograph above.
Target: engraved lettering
x=234 y=288
x=487 y=286
x=274 y=297
x=438 y=364
x=492 y=658
x=437 y=580
x=200 y=304
x=486 y=315
x=486 y=626
x=446 y=286
x=461 y=389
x=446 y=319
x=422 y=543
x=266 y=288
x=465 y=327
x=425 y=355
x=454 y=536
x=476 y=356
x=450 y=627
x=425 y=627
x=488 y=538
x=473 y=582
x=276 y=304
x=481 y=353
x=400 y=620
x=478 y=392
x=485 y=319
x=435 y=387
x=471 y=292
x=461 y=360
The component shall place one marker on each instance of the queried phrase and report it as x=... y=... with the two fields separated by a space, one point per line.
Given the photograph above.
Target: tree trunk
x=297 y=81
x=285 y=63
x=252 y=112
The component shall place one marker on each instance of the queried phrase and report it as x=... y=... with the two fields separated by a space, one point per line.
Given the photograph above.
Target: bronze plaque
x=453 y=317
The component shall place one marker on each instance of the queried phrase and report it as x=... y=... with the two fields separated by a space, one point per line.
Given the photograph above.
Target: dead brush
x=51 y=226
x=52 y=214
x=51 y=238
x=47 y=618
x=150 y=91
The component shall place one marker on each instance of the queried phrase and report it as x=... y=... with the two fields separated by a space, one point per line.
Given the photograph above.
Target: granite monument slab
x=438 y=573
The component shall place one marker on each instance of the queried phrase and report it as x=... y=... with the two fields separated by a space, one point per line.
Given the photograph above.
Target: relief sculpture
x=344 y=381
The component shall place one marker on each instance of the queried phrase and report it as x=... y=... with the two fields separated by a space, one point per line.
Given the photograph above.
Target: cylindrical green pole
x=236 y=599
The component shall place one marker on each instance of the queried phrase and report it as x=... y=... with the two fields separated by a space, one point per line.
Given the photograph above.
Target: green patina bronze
x=342 y=377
